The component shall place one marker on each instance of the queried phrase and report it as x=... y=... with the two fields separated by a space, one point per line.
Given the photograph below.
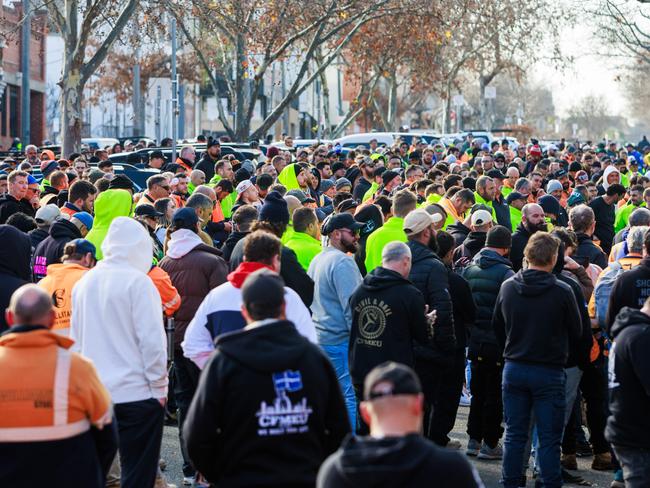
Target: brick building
x=11 y=75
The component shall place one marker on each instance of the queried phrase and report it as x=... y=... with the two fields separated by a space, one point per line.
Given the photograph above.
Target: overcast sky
x=589 y=74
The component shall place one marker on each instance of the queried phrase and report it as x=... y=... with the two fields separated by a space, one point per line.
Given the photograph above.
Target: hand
x=227 y=226
x=570 y=264
x=431 y=316
x=162 y=401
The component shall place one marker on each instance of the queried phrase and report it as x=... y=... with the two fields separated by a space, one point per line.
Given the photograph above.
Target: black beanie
x=499 y=237
x=121 y=182
x=549 y=204
x=274 y=209
x=388 y=176
x=241 y=175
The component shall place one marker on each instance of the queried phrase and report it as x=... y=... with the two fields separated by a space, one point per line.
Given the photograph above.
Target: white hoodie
x=608 y=171
x=117 y=318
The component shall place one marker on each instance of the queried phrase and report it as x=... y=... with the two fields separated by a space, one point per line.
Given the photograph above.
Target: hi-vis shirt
x=58 y=283
x=47 y=393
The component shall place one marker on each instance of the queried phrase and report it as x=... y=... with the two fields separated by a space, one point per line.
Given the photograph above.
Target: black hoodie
x=536 y=319
x=409 y=461
x=9 y=206
x=50 y=250
x=387 y=316
x=520 y=238
x=268 y=410
x=459 y=232
x=474 y=242
x=629 y=381
x=14 y=265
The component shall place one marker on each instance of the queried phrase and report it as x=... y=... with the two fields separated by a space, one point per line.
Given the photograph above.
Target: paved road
x=489 y=470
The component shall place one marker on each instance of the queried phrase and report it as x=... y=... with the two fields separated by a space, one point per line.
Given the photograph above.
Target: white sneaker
x=188 y=480
x=465 y=399
x=454 y=444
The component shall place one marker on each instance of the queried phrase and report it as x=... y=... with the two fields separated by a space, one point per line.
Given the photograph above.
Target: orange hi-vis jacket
x=58 y=283
x=171 y=300
x=47 y=392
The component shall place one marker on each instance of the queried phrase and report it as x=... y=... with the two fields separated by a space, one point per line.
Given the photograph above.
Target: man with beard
x=429 y=275
x=209 y=159
x=536 y=191
x=336 y=276
x=532 y=220
x=367 y=167
x=81 y=198
x=583 y=223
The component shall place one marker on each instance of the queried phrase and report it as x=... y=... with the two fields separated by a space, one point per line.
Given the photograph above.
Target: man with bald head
x=512 y=175
x=532 y=220
x=56 y=425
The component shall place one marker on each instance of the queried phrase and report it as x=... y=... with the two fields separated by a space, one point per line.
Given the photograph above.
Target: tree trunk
x=241 y=124
x=326 y=106
x=482 y=102
x=71 y=95
x=447 y=116
x=391 y=117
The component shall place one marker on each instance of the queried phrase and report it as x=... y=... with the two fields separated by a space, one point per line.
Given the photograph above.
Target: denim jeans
x=338 y=354
x=540 y=391
x=636 y=466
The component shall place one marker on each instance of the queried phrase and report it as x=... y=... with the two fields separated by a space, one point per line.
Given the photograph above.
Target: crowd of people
x=326 y=314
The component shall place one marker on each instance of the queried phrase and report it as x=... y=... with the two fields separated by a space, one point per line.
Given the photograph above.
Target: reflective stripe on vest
x=60 y=429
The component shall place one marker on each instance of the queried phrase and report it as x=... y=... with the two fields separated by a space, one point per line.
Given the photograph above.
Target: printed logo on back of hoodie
x=373 y=315
x=282 y=417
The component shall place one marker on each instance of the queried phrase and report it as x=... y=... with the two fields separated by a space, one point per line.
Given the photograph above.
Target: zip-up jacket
x=50 y=250
x=391 y=231
x=55 y=415
x=220 y=312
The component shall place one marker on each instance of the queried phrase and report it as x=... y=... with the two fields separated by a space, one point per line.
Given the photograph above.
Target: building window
x=14 y=113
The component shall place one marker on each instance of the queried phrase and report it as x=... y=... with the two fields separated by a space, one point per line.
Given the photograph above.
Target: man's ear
x=9 y=317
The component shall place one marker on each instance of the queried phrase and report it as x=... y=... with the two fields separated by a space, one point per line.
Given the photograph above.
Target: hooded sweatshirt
x=117 y=316
x=536 y=319
x=268 y=410
x=392 y=230
x=14 y=265
x=629 y=381
x=387 y=318
x=288 y=177
x=388 y=462
x=50 y=250
x=608 y=171
x=109 y=205
x=220 y=312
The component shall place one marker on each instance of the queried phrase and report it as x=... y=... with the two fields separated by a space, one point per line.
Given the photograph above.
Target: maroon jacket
x=193 y=275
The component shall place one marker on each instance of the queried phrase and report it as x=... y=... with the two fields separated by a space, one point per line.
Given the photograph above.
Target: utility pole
x=137 y=122
x=157 y=115
x=25 y=117
x=174 y=91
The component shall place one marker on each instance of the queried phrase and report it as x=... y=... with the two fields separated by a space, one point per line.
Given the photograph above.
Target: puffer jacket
x=194 y=269
x=430 y=276
x=485 y=274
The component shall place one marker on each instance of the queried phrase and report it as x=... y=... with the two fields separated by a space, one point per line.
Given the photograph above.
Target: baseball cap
x=146 y=210
x=340 y=221
x=388 y=176
x=156 y=154
x=186 y=216
x=560 y=173
x=48 y=167
x=390 y=379
x=31 y=180
x=301 y=196
x=515 y=195
x=243 y=186
x=481 y=217
x=85 y=218
x=416 y=221
x=83 y=246
x=47 y=214
x=495 y=173
x=346 y=205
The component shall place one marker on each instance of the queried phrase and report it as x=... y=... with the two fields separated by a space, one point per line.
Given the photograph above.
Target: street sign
x=458 y=100
x=490 y=92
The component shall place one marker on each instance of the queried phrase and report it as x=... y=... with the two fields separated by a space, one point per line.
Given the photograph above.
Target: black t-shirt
x=605 y=217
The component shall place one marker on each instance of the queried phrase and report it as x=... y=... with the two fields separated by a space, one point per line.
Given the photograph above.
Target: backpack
x=603 y=289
